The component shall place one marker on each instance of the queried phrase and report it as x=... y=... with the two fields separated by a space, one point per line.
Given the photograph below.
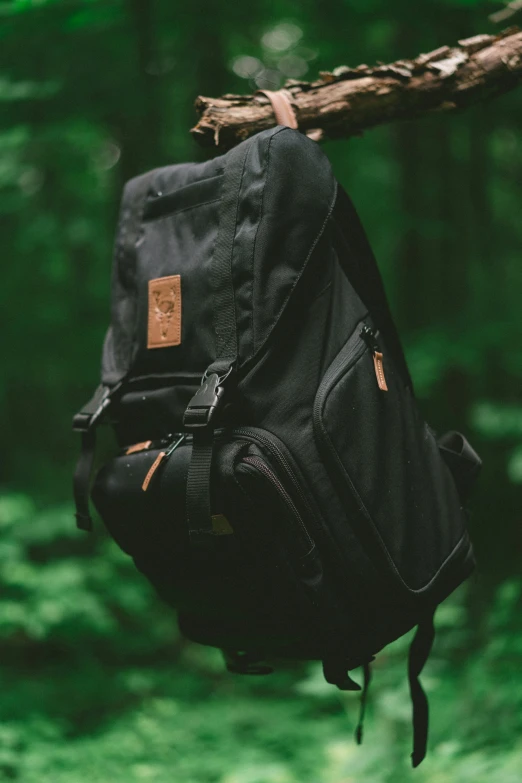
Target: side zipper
x=277 y=452
x=369 y=337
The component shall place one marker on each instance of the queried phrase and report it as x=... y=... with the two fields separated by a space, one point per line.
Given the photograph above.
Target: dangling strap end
x=84 y=522
x=364 y=698
x=419 y=652
x=86 y=422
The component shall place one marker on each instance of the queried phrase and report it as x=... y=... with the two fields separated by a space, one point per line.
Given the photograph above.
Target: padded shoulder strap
x=225 y=328
x=207 y=400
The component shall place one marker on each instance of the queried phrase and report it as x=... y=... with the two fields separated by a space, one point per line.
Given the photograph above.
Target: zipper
x=341 y=480
x=162 y=457
x=344 y=360
x=370 y=338
x=263 y=468
x=271 y=444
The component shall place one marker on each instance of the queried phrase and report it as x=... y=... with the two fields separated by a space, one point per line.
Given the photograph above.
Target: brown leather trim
x=138 y=447
x=153 y=468
x=283 y=109
x=379 y=370
x=164 y=324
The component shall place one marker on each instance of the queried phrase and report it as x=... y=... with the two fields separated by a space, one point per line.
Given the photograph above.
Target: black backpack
x=275 y=481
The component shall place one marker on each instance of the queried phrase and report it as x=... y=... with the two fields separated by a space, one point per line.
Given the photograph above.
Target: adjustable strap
x=204 y=407
x=224 y=309
x=360 y=267
x=364 y=698
x=418 y=655
x=199 y=512
x=462 y=460
x=82 y=480
x=283 y=109
x=335 y=672
x=85 y=422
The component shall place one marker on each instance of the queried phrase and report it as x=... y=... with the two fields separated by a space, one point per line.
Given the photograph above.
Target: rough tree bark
x=350 y=100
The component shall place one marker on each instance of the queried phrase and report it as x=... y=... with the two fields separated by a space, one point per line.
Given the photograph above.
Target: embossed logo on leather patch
x=164 y=327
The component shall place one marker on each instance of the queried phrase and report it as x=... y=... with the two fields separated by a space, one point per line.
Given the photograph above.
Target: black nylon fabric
x=282 y=203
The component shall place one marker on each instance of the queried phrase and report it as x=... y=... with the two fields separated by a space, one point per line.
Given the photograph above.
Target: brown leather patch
x=164 y=327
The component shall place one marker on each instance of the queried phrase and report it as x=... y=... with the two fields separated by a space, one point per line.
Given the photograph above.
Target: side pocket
x=385 y=464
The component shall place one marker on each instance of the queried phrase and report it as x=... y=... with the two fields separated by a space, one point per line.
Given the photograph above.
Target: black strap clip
x=89 y=415
x=85 y=422
x=208 y=399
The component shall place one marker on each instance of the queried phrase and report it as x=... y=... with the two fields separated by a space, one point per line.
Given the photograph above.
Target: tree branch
x=350 y=100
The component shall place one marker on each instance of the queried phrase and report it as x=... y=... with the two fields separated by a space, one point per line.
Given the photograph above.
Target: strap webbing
x=335 y=672
x=85 y=421
x=364 y=698
x=198 y=501
x=360 y=267
x=82 y=478
x=199 y=512
x=225 y=329
x=419 y=653
x=282 y=107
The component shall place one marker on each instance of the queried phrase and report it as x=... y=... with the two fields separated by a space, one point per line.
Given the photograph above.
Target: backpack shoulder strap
x=359 y=264
x=201 y=409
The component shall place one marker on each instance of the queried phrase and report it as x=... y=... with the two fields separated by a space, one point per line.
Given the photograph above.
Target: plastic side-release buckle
x=208 y=399
x=91 y=412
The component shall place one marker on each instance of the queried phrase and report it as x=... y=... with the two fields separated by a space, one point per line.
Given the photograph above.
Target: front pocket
x=257 y=578
x=274 y=527
x=190 y=196
x=259 y=480
x=385 y=464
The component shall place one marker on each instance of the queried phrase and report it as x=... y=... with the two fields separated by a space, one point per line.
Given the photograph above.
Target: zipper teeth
x=342 y=362
x=263 y=468
x=280 y=456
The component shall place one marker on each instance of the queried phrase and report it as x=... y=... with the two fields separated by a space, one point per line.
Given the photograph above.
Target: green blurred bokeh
x=97 y=685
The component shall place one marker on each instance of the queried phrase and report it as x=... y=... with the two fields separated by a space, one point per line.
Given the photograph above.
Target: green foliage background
x=96 y=683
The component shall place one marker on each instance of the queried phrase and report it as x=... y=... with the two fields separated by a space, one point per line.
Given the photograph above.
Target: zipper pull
x=161 y=458
x=368 y=335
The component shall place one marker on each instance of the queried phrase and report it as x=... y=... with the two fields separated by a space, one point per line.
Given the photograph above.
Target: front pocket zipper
x=370 y=338
x=278 y=452
x=162 y=457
